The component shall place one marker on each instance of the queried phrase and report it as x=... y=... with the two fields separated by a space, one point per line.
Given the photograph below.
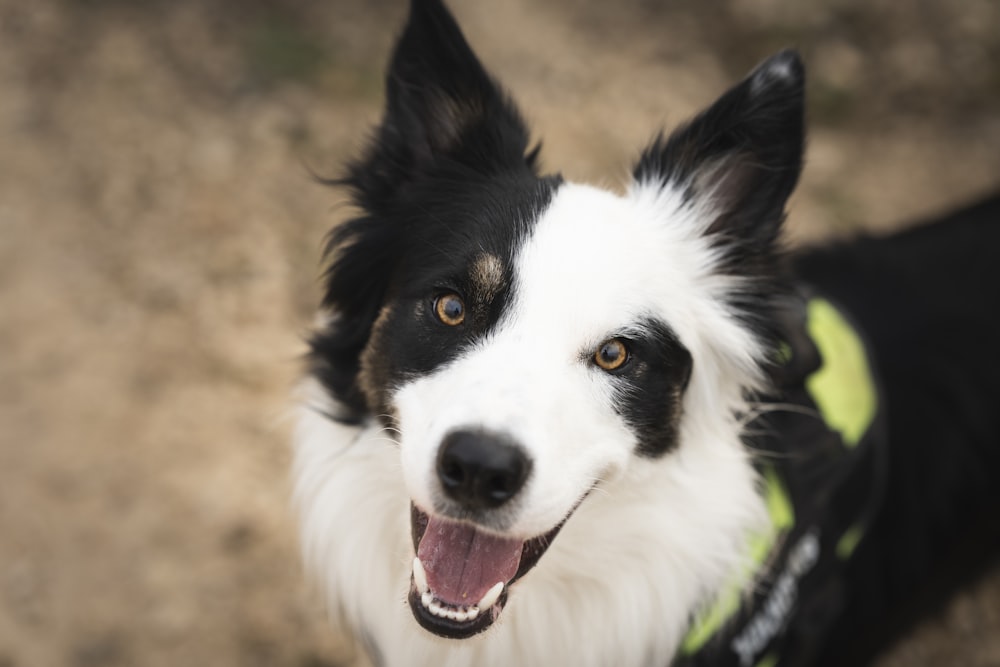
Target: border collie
x=549 y=424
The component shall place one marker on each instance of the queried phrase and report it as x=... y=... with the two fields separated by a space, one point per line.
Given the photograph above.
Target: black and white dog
x=548 y=424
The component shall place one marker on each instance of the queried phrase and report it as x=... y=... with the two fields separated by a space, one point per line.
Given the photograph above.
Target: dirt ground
x=159 y=249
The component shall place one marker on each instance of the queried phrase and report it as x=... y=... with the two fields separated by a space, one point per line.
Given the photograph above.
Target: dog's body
x=518 y=376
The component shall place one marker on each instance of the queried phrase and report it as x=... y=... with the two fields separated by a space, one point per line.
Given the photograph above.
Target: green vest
x=822 y=470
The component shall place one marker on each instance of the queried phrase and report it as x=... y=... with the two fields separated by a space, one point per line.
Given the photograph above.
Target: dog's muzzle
x=462 y=571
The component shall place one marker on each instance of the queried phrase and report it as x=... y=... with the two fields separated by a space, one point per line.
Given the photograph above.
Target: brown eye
x=450 y=309
x=611 y=355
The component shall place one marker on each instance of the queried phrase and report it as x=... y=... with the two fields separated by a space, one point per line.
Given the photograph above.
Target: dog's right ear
x=442 y=109
x=444 y=118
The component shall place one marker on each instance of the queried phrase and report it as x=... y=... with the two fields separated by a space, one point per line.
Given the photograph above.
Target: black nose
x=481 y=470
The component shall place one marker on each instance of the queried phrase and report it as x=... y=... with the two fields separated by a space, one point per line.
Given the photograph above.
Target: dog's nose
x=481 y=470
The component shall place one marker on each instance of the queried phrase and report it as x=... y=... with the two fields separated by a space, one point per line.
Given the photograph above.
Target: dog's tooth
x=461 y=614
x=491 y=596
x=420 y=576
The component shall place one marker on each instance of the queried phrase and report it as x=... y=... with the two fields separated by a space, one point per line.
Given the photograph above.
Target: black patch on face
x=493 y=222
x=446 y=234
x=649 y=387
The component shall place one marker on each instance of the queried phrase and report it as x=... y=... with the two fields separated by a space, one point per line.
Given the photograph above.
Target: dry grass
x=159 y=244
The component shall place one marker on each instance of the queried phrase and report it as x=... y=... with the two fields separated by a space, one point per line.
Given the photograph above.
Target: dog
x=548 y=424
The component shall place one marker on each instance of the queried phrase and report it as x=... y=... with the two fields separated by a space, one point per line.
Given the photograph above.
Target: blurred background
x=160 y=238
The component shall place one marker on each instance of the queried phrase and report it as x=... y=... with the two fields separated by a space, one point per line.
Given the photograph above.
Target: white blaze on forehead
x=597 y=262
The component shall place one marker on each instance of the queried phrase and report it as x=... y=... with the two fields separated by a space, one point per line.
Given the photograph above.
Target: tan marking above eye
x=487 y=277
x=611 y=355
x=450 y=309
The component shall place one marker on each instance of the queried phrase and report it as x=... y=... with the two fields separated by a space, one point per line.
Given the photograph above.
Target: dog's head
x=531 y=339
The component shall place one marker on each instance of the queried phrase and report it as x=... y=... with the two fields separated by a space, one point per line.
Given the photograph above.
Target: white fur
x=654 y=541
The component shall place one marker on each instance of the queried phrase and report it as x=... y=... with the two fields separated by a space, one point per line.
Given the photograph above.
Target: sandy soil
x=159 y=248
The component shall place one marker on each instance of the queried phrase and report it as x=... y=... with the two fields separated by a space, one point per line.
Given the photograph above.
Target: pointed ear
x=442 y=107
x=740 y=159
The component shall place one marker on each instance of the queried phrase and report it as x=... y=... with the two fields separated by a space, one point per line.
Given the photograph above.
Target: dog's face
x=530 y=339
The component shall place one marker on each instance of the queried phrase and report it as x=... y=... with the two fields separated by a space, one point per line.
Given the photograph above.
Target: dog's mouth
x=461 y=574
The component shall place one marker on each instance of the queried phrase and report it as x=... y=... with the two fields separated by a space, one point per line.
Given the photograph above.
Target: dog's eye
x=450 y=309
x=611 y=355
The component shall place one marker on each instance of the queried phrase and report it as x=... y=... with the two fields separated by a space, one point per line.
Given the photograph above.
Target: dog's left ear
x=739 y=160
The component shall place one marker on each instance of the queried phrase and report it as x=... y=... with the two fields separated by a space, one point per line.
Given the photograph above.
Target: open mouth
x=462 y=574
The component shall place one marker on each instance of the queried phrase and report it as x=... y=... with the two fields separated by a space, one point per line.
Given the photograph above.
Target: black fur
x=449 y=161
x=486 y=218
x=927 y=300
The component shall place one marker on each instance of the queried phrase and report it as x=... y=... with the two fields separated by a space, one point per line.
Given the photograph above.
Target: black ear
x=442 y=109
x=445 y=121
x=740 y=159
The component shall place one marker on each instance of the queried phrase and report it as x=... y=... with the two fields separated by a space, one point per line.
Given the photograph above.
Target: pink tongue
x=463 y=563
